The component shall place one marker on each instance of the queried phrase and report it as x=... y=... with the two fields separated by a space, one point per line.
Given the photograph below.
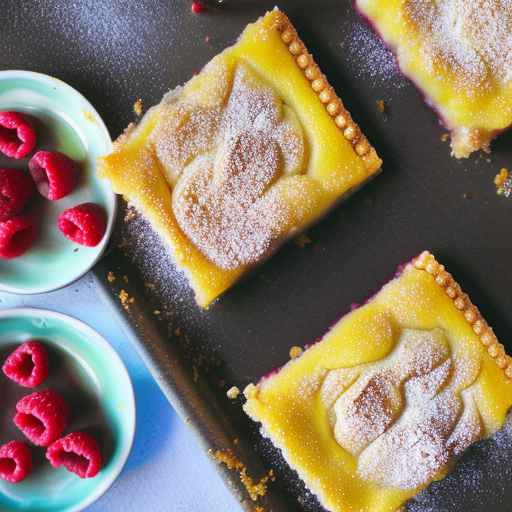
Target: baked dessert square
x=390 y=397
x=459 y=54
x=245 y=155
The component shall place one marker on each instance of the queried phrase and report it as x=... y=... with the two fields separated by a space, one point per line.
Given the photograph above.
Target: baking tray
x=115 y=51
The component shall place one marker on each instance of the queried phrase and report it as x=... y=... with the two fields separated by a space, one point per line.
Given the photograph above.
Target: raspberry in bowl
x=77 y=424
x=43 y=176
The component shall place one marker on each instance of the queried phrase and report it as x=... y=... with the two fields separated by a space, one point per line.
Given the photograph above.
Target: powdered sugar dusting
x=472 y=37
x=480 y=480
x=404 y=418
x=372 y=60
x=223 y=161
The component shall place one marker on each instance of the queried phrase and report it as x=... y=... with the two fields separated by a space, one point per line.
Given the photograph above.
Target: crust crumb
x=254 y=489
x=503 y=182
x=232 y=393
x=111 y=277
x=138 y=107
x=445 y=137
x=295 y=352
x=125 y=299
x=157 y=312
x=381 y=106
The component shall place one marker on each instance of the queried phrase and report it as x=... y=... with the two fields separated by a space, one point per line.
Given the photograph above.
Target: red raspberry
x=54 y=174
x=197 y=7
x=17 y=135
x=27 y=365
x=16 y=188
x=42 y=416
x=78 y=452
x=84 y=224
x=15 y=461
x=16 y=236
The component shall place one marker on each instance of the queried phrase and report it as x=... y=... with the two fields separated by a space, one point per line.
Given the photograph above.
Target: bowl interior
x=65 y=121
x=94 y=382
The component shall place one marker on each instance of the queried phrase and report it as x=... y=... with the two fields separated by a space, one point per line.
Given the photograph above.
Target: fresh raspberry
x=42 y=416
x=198 y=7
x=16 y=236
x=15 y=461
x=84 y=224
x=17 y=135
x=16 y=188
x=78 y=452
x=54 y=174
x=27 y=365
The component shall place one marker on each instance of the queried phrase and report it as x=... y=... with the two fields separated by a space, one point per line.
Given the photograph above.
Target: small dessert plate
x=65 y=122
x=90 y=375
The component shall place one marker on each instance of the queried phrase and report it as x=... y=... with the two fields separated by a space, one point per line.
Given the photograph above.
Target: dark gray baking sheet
x=115 y=51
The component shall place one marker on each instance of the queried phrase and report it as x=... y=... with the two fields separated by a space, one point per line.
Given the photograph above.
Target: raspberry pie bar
x=391 y=396
x=242 y=157
x=459 y=53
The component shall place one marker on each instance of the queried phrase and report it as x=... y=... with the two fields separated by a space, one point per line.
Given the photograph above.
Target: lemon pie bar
x=391 y=396
x=459 y=53
x=242 y=157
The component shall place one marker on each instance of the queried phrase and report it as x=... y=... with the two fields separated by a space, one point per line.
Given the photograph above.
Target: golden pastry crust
x=459 y=54
x=391 y=396
x=241 y=158
x=326 y=93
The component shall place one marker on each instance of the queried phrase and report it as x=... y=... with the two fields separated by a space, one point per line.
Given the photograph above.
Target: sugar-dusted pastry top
x=387 y=400
x=459 y=53
x=227 y=163
x=242 y=157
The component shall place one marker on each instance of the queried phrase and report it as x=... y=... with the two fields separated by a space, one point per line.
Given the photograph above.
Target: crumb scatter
x=254 y=489
x=233 y=393
x=295 y=352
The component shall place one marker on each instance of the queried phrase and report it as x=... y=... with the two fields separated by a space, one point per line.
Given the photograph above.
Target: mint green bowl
x=66 y=122
x=93 y=380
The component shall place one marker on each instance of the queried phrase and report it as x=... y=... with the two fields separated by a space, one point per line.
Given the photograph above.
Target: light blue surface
x=166 y=470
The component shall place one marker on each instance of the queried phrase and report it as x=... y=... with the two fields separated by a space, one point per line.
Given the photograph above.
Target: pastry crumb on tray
x=233 y=392
x=503 y=183
x=255 y=489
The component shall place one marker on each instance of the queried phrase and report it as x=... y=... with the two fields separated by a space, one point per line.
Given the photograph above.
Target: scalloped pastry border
x=326 y=94
x=427 y=262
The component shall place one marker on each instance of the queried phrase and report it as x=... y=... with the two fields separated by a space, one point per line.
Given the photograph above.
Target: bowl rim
x=97 y=338
x=111 y=196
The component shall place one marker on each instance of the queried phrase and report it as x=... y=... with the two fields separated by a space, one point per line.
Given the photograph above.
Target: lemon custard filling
x=244 y=156
x=391 y=396
x=459 y=53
